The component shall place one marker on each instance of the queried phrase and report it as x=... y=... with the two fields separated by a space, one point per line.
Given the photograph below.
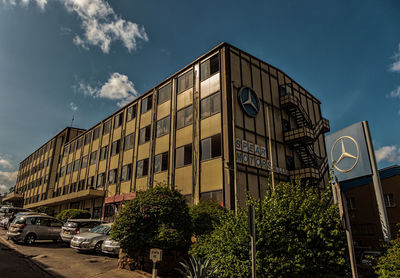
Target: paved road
x=55 y=258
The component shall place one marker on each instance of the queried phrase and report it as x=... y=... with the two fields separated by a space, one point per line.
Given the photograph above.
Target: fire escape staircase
x=302 y=138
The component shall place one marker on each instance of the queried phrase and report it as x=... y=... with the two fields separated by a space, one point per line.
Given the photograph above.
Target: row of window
x=34 y=169
x=387 y=197
x=33 y=184
x=37 y=154
x=35 y=199
x=210 y=148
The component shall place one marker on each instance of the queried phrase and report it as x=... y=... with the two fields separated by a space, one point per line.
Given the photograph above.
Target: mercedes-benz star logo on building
x=346 y=153
x=249 y=101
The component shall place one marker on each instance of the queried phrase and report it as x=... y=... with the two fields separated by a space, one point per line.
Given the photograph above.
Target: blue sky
x=60 y=58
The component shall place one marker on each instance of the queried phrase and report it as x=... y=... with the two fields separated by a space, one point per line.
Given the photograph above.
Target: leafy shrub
x=298 y=234
x=44 y=209
x=158 y=218
x=73 y=214
x=388 y=265
x=205 y=216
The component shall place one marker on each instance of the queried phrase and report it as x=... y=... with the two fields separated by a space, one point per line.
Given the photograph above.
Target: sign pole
x=340 y=199
x=377 y=186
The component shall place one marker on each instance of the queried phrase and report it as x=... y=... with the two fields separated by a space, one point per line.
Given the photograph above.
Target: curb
x=28 y=259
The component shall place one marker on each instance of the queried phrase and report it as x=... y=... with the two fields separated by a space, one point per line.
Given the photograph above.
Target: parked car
x=91 y=240
x=30 y=228
x=7 y=215
x=110 y=246
x=77 y=226
x=7 y=221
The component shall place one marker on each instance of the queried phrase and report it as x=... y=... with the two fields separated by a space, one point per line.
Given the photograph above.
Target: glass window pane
x=188 y=154
x=205 y=149
x=215 y=104
x=205 y=107
x=157 y=163
x=164 y=94
x=139 y=171
x=216 y=145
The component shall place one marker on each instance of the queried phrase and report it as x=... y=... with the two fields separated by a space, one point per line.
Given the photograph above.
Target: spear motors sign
x=251 y=154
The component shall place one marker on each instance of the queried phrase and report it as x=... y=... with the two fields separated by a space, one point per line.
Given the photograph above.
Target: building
x=363 y=209
x=220 y=127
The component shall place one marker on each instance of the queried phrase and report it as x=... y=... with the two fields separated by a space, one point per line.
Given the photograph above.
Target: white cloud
x=3 y=188
x=388 y=153
x=25 y=3
x=101 y=25
x=7 y=179
x=73 y=106
x=118 y=87
x=395 y=66
x=395 y=93
x=5 y=163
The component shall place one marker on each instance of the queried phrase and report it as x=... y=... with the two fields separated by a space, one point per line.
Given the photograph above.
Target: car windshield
x=101 y=229
x=71 y=224
x=19 y=220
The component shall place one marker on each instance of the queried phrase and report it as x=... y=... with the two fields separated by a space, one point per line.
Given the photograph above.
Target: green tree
x=205 y=216
x=158 y=218
x=298 y=235
x=388 y=265
x=73 y=214
x=44 y=209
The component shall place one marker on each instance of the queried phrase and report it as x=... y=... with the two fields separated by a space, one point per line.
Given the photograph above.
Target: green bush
x=158 y=218
x=388 y=265
x=44 y=209
x=206 y=216
x=298 y=234
x=73 y=214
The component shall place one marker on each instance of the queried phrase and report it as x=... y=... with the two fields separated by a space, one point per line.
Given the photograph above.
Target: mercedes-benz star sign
x=345 y=154
x=249 y=101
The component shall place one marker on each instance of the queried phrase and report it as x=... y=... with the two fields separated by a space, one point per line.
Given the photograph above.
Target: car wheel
x=97 y=247
x=30 y=239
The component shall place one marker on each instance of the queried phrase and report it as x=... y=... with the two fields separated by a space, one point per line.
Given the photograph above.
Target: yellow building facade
x=224 y=125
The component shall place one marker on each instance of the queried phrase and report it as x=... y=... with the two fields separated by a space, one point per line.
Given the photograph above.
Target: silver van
x=77 y=226
x=29 y=228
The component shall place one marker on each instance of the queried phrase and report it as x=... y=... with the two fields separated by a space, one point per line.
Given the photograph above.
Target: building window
x=131 y=113
x=69 y=168
x=107 y=127
x=72 y=147
x=142 y=168
x=126 y=172
x=164 y=94
x=212 y=195
x=147 y=104
x=112 y=176
x=351 y=202
x=96 y=133
x=87 y=138
x=93 y=157
x=81 y=185
x=184 y=117
x=389 y=200
x=210 y=147
x=72 y=188
x=144 y=135
x=89 y=182
x=163 y=126
x=161 y=162
x=209 y=67
x=183 y=156
x=100 y=180
x=210 y=105
x=185 y=81
x=84 y=161
x=118 y=120
x=129 y=141
x=79 y=143
x=290 y=163
x=285 y=125
x=115 y=147
x=65 y=151
x=76 y=165
x=62 y=172
x=103 y=153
